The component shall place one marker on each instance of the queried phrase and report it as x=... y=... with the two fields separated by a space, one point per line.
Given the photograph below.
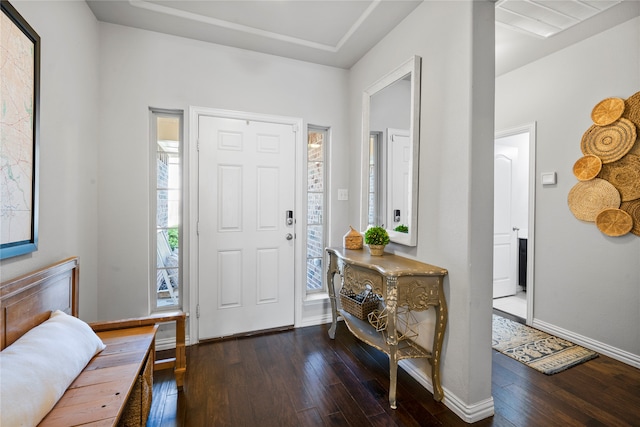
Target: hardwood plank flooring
x=302 y=378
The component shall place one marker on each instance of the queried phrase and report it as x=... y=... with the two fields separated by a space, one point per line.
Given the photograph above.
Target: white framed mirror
x=390 y=153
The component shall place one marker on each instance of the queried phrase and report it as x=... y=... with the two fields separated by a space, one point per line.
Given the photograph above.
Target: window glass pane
x=314 y=274
x=173 y=208
x=315 y=208
x=315 y=176
x=315 y=146
x=162 y=208
x=315 y=247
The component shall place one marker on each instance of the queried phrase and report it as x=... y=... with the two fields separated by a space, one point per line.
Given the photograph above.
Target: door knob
x=289 y=236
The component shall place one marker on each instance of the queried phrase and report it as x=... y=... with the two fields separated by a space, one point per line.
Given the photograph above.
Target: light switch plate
x=549 y=178
x=343 y=194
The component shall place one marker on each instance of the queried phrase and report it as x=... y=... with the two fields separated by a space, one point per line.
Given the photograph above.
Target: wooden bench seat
x=99 y=395
x=115 y=387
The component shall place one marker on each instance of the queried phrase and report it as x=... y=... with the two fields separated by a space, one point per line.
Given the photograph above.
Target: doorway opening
x=514 y=208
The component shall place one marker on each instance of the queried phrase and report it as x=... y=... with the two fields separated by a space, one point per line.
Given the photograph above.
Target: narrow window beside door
x=166 y=143
x=317 y=139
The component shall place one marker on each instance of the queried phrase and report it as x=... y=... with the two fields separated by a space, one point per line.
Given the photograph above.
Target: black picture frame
x=22 y=239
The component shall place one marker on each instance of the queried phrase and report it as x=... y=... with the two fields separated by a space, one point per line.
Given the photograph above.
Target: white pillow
x=36 y=370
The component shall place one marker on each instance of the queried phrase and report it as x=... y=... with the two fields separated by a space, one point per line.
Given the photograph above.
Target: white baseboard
x=314 y=321
x=613 y=352
x=468 y=413
x=169 y=343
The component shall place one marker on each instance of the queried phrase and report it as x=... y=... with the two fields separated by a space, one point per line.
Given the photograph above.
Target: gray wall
x=455 y=207
x=586 y=283
x=141 y=69
x=68 y=143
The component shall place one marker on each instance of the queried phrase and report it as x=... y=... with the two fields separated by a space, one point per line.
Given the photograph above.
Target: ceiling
x=339 y=32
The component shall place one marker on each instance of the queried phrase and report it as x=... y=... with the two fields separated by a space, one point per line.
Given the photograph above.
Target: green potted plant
x=376 y=238
x=401 y=229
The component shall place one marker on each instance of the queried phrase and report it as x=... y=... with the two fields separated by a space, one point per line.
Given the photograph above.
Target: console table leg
x=393 y=379
x=392 y=338
x=438 y=338
x=331 y=272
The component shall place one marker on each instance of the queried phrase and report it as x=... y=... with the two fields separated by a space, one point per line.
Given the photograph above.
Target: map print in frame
x=19 y=114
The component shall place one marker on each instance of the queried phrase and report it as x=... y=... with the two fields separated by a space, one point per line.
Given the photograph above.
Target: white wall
x=586 y=283
x=455 y=209
x=68 y=143
x=140 y=69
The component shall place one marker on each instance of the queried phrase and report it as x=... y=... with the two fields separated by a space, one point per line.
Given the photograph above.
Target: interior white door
x=399 y=161
x=504 y=237
x=246 y=246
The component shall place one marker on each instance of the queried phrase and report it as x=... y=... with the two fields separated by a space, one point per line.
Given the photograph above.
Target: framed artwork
x=19 y=131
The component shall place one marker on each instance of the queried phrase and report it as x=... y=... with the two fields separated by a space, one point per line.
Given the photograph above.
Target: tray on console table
x=402 y=283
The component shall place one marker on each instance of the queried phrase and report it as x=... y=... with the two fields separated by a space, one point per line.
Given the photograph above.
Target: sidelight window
x=166 y=236
x=317 y=140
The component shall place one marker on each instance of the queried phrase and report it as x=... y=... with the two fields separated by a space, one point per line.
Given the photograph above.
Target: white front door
x=504 y=237
x=246 y=248
x=399 y=161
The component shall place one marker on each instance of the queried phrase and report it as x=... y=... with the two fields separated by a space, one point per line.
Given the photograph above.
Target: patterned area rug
x=537 y=349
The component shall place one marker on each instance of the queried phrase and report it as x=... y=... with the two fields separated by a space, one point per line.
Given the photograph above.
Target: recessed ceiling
x=336 y=33
x=339 y=32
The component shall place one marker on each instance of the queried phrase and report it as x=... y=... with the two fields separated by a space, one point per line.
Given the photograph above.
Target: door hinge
x=198 y=311
x=198 y=228
x=198 y=145
x=294 y=127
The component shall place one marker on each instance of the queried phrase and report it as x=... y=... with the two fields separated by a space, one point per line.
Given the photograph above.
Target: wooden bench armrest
x=180 y=362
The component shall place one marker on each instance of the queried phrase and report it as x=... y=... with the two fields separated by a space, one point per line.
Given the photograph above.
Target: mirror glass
x=391 y=111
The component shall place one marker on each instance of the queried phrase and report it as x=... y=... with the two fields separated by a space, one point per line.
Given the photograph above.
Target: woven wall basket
x=587 y=198
x=607 y=111
x=636 y=147
x=624 y=174
x=610 y=142
x=632 y=112
x=614 y=222
x=633 y=209
x=587 y=167
x=632 y=109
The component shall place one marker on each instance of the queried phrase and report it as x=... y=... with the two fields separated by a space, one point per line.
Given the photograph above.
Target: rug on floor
x=536 y=349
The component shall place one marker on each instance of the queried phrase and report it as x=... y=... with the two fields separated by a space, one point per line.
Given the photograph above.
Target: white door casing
x=246 y=262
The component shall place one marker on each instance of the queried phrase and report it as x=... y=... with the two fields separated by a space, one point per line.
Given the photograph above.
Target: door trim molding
x=194 y=114
x=531 y=129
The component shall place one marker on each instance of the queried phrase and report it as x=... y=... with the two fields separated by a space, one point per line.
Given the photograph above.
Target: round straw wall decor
x=607 y=111
x=632 y=113
x=608 y=191
x=632 y=109
x=636 y=147
x=610 y=142
x=587 y=167
x=633 y=209
x=614 y=222
x=624 y=174
x=587 y=198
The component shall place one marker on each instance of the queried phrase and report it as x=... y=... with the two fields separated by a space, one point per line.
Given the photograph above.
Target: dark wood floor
x=302 y=378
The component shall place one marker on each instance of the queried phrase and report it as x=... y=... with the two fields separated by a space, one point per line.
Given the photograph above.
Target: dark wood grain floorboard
x=302 y=378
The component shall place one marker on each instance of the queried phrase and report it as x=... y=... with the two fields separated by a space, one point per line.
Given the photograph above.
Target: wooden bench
x=115 y=387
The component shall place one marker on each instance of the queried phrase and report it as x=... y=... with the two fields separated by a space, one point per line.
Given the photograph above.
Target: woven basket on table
x=359 y=309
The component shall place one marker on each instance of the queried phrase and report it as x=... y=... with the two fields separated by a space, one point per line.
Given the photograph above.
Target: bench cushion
x=36 y=370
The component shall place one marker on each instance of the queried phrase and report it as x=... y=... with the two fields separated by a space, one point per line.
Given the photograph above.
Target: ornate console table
x=404 y=285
